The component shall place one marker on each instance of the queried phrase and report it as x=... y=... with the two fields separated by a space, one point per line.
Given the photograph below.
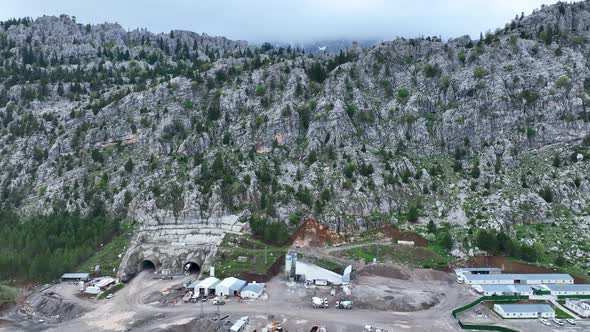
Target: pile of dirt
x=166 y=296
x=385 y=271
x=397 y=302
x=313 y=234
x=511 y=267
x=377 y=290
x=51 y=306
x=395 y=234
x=197 y=325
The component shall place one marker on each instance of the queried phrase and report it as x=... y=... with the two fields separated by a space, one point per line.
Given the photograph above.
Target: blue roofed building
x=252 y=291
x=524 y=310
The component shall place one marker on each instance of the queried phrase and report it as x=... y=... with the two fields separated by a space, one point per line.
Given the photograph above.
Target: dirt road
x=129 y=311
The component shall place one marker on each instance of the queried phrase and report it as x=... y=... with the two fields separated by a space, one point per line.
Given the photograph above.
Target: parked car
x=558 y=321
x=205 y=298
x=544 y=321
x=218 y=301
x=110 y=296
x=571 y=321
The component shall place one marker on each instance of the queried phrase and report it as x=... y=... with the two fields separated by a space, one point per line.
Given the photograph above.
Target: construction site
x=318 y=282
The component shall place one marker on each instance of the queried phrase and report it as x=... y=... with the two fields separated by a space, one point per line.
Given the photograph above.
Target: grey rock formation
x=183 y=128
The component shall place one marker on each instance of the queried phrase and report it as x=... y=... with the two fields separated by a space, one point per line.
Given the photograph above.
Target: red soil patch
x=313 y=234
x=511 y=267
x=395 y=234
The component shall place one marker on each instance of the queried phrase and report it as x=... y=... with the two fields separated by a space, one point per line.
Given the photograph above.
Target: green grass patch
x=108 y=256
x=416 y=256
x=233 y=246
x=560 y=313
x=362 y=253
x=111 y=290
x=7 y=294
x=329 y=265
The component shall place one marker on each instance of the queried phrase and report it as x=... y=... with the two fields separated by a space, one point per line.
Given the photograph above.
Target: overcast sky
x=293 y=20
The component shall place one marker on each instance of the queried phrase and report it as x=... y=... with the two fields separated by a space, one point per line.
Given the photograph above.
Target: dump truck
x=344 y=304
x=318 y=302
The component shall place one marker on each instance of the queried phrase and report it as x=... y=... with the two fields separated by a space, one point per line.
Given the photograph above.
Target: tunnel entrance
x=148 y=265
x=191 y=268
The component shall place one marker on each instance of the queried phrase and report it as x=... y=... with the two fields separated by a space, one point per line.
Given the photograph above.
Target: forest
x=42 y=248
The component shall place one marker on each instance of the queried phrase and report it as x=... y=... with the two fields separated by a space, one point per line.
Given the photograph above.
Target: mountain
x=184 y=128
x=333 y=46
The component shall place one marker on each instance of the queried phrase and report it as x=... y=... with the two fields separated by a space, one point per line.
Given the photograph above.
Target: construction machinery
x=276 y=326
x=344 y=304
x=319 y=303
x=187 y=297
x=218 y=301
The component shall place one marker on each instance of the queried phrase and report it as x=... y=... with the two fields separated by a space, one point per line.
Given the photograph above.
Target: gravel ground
x=387 y=296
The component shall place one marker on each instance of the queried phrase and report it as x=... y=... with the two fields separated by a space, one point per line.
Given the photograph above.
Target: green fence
x=484 y=299
x=562 y=297
x=485 y=328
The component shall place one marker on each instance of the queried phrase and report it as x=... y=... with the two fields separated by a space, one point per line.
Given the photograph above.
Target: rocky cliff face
x=188 y=128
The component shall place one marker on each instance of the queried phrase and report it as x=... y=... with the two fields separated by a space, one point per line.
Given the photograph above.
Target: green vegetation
x=479 y=72
x=563 y=82
x=500 y=243
x=530 y=133
x=560 y=313
x=403 y=95
x=7 y=294
x=269 y=232
x=461 y=56
x=349 y=170
x=547 y=235
x=416 y=256
x=323 y=262
x=431 y=70
x=110 y=255
x=329 y=265
x=44 y=247
x=259 y=256
x=111 y=290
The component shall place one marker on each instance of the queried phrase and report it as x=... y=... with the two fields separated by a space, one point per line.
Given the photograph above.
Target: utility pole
x=378 y=250
x=202 y=309
x=218 y=318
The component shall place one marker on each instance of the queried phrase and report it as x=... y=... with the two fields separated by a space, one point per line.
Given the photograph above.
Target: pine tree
x=129 y=166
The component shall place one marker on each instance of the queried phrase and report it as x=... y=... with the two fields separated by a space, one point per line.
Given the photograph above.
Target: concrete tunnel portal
x=168 y=260
x=192 y=268
x=147 y=264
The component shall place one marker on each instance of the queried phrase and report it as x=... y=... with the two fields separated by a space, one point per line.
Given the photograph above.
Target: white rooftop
x=524 y=276
x=503 y=288
x=470 y=269
x=209 y=282
x=75 y=275
x=256 y=288
x=314 y=272
x=231 y=281
x=528 y=307
x=568 y=288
